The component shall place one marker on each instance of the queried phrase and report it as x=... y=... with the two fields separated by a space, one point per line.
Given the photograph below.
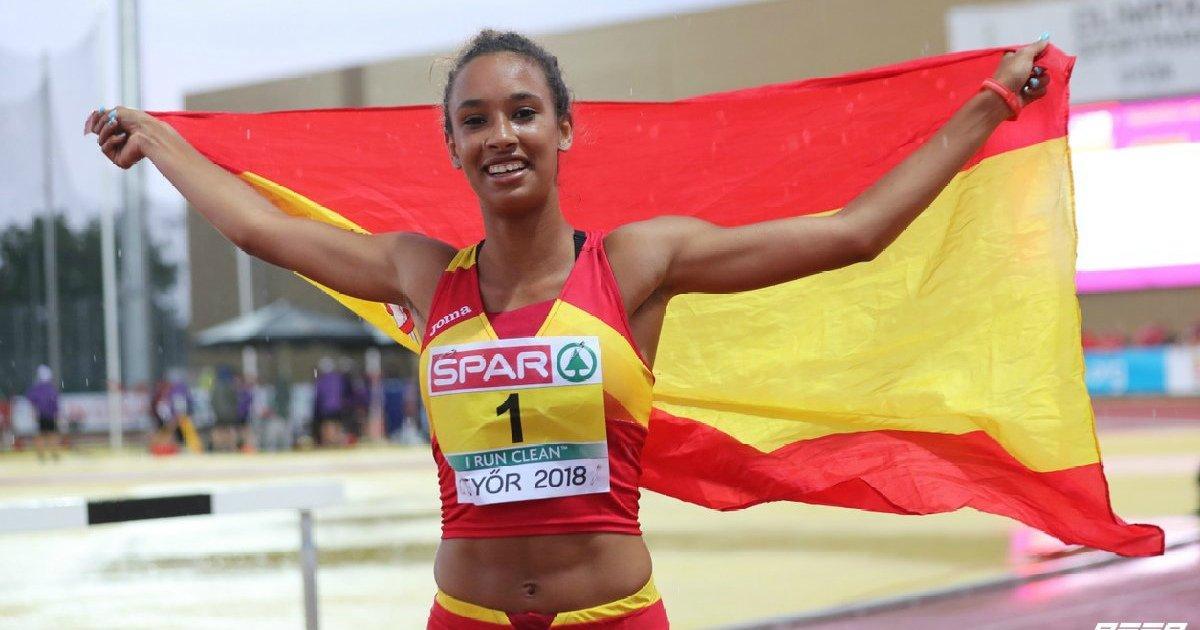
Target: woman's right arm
x=400 y=268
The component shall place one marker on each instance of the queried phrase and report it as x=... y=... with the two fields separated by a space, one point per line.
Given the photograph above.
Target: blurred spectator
x=43 y=395
x=1102 y=341
x=357 y=397
x=162 y=439
x=180 y=393
x=1152 y=335
x=8 y=438
x=171 y=410
x=329 y=404
x=415 y=411
x=245 y=413
x=183 y=409
x=224 y=401
x=1191 y=336
x=275 y=433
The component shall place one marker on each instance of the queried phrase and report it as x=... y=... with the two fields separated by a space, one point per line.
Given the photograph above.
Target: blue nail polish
x=1044 y=37
x=112 y=116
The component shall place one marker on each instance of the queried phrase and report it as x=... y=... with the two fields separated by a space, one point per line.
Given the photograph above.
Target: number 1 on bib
x=512 y=405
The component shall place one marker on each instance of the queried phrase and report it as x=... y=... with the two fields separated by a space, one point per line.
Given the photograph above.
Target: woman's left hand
x=1018 y=73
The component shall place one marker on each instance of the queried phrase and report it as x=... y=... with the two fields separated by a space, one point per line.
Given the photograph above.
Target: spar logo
x=507 y=364
x=490 y=368
x=576 y=362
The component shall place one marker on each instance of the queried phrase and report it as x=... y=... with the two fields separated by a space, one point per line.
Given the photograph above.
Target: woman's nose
x=503 y=135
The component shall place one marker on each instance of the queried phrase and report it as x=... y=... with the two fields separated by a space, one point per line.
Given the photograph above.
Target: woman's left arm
x=699 y=257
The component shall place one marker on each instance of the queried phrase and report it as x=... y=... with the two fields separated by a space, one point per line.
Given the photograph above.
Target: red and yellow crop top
x=538 y=428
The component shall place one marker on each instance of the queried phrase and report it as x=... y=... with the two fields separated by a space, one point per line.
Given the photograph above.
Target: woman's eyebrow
x=515 y=96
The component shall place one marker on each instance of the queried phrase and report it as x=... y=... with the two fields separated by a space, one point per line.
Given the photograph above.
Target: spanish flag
x=946 y=373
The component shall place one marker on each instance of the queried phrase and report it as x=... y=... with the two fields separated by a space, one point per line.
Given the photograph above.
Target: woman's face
x=505 y=134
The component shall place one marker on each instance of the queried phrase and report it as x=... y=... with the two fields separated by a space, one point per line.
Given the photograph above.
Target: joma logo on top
x=452 y=316
x=487 y=368
x=1142 y=625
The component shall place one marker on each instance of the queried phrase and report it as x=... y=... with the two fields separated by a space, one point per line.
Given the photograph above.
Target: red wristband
x=1010 y=97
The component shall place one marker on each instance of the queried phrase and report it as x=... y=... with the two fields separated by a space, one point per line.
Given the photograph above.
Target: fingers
x=1036 y=86
x=108 y=127
x=113 y=143
x=90 y=121
x=1038 y=48
x=97 y=121
x=127 y=154
x=1034 y=51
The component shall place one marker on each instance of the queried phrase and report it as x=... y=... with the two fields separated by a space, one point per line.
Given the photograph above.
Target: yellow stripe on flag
x=298 y=205
x=969 y=321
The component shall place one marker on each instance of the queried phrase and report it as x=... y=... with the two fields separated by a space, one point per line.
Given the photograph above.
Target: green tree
x=23 y=329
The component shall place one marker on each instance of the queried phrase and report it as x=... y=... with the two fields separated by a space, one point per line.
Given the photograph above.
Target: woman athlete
x=518 y=549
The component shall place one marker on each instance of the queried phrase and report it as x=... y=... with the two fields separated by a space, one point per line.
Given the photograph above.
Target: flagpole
x=49 y=232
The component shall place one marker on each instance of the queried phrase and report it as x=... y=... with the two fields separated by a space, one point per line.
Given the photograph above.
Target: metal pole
x=112 y=329
x=308 y=570
x=112 y=334
x=245 y=287
x=135 y=279
x=374 y=368
x=49 y=231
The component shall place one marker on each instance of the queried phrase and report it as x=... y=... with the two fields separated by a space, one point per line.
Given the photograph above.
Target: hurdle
x=37 y=515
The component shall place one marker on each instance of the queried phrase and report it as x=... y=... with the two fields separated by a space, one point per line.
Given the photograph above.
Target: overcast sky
x=190 y=45
x=194 y=45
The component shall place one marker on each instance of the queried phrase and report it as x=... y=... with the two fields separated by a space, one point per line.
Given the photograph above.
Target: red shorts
x=641 y=611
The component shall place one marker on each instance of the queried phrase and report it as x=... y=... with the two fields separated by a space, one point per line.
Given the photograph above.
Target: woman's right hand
x=123 y=134
x=393 y=267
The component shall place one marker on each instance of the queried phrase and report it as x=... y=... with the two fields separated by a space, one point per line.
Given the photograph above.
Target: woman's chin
x=513 y=202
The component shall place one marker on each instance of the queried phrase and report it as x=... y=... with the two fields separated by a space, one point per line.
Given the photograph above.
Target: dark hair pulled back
x=489 y=41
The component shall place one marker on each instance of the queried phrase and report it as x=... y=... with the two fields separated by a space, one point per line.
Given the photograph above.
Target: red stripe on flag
x=902 y=472
x=732 y=158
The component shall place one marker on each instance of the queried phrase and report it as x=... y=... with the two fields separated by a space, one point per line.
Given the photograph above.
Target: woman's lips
x=507 y=172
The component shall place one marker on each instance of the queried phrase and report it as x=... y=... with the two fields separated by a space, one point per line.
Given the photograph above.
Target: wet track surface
x=1163 y=589
x=376 y=551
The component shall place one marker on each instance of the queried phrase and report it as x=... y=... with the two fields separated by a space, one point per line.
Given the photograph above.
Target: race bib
x=520 y=419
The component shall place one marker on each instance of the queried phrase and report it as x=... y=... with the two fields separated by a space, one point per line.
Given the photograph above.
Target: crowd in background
x=220 y=410
x=217 y=409
x=1154 y=334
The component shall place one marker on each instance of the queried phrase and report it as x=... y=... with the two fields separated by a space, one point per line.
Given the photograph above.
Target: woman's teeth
x=507 y=167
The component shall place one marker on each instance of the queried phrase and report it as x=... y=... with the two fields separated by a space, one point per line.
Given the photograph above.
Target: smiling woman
x=537 y=350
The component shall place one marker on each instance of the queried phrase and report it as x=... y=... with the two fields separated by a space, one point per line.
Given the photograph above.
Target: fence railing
x=36 y=515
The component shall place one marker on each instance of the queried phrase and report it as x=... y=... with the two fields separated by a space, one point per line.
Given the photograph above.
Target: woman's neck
x=525 y=246
x=527 y=258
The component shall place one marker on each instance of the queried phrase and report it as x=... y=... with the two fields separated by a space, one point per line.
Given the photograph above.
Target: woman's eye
x=524 y=112
x=473 y=120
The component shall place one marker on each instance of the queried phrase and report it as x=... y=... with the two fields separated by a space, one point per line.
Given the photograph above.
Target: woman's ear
x=566 y=132
x=452 y=148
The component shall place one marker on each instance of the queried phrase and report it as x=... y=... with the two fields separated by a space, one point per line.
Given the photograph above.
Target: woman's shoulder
x=654 y=234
